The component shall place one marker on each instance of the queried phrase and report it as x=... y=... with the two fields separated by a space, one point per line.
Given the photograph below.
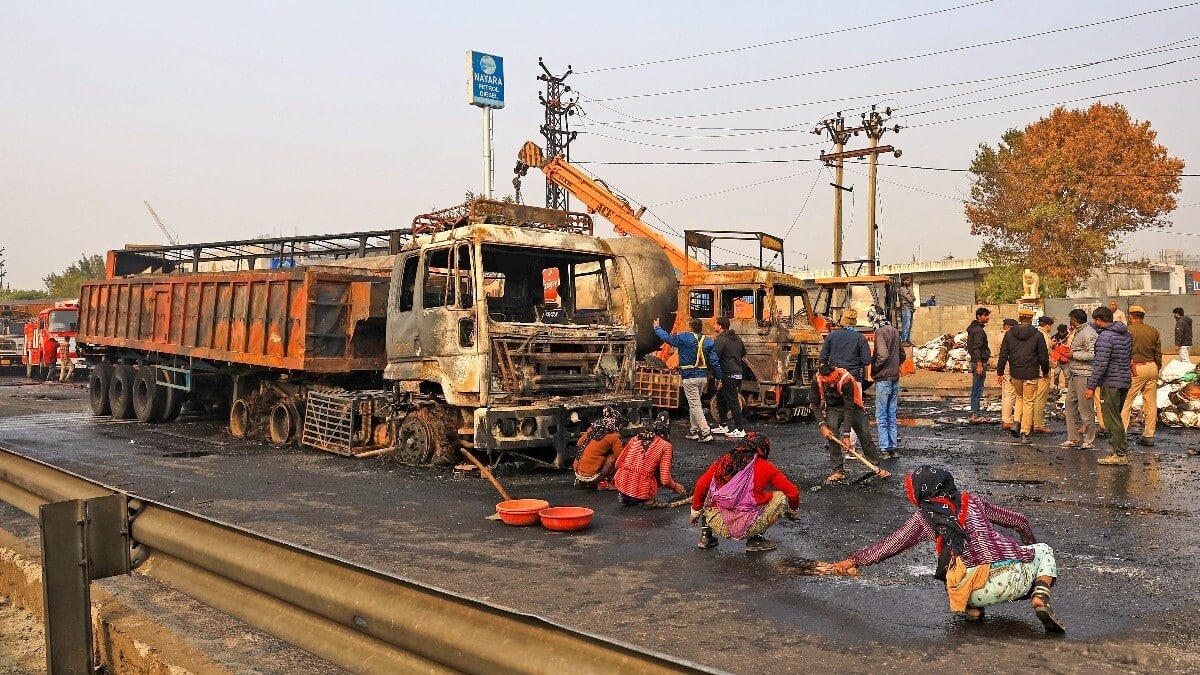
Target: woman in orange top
x=601 y=443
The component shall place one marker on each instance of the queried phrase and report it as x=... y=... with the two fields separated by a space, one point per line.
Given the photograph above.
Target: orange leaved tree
x=1058 y=196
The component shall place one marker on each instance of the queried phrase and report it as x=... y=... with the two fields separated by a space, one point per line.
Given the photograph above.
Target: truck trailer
x=415 y=342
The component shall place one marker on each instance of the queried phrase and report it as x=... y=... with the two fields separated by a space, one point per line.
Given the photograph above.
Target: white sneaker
x=720 y=430
x=736 y=433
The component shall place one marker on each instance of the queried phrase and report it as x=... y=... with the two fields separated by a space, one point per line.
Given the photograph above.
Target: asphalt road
x=1125 y=538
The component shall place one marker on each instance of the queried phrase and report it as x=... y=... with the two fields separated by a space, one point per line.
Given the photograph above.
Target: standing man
x=907 y=302
x=1183 y=334
x=1118 y=315
x=847 y=348
x=1023 y=350
x=696 y=358
x=730 y=351
x=932 y=301
x=1043 y=385
x=1010 y=403
x=1080 y=409
x=842 y=411
x=66 y=367
x=49 y=357
x=1147 y=361
x=981 y=354
x=885 y=370
x=1111 y=375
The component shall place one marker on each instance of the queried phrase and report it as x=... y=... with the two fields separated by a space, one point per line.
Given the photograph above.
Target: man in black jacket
x=1183 y=334
x=981 y=354
x=730 y=352
x=1024 y=349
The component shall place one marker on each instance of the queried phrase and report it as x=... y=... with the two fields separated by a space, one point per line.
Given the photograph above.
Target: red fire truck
x=60 y=322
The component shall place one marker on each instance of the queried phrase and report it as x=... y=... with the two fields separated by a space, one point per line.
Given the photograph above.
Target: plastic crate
x=660 y=385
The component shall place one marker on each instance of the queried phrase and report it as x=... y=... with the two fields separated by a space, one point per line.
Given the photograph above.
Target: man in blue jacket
x=696 y=358
x=1112 y=373
x=846 y=347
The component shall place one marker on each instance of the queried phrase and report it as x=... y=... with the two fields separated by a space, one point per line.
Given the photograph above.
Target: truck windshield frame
x=62 y=320
x=518 y=285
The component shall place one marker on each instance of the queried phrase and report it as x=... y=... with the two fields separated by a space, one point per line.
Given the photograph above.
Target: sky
x=243 y=119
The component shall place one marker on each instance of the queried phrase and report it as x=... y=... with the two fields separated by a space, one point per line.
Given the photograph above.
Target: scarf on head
x=877 y=317
x=938 y=500
x=660 y=426
x=608 y=423
x=753 y=445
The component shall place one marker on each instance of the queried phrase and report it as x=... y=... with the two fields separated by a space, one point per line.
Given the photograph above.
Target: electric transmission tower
x=560 y=106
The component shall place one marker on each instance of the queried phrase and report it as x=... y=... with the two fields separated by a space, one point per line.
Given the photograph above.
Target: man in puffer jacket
x=1112 y=373
x=1023 y=350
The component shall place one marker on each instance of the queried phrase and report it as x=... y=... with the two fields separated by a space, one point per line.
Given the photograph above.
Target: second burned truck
x=442 y=340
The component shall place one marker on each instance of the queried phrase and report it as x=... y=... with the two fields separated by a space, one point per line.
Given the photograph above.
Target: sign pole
x=485 y=84
x=488 y=166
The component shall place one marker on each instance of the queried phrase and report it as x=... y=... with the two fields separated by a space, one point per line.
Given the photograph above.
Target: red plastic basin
x=521 y=511
x=566 y=518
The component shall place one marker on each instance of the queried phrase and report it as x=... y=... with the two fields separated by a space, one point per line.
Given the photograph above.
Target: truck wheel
x=98 y=382
x=283 y=423
x=149 y=398
x=239 y=418
x=423 y=435
x=120 y=391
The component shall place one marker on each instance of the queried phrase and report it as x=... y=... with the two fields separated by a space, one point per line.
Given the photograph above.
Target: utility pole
x=839 y=134
x=560 y=105
x=874 y=125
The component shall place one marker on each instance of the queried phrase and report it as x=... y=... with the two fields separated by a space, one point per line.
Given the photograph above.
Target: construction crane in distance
x=171 y=235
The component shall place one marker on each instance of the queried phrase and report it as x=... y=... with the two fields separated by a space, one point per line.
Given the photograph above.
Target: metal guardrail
x=359 y=619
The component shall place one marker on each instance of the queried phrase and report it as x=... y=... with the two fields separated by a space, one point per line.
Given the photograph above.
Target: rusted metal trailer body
x=312 y=319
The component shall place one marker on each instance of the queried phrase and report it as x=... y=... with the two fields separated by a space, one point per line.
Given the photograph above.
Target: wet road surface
x=1125 y=538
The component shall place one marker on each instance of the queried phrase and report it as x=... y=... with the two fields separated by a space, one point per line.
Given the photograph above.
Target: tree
x=66 y=284
x=20 y=294
x=1058 y=196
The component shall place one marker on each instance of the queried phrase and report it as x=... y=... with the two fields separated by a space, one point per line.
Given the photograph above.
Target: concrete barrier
x=127 y=642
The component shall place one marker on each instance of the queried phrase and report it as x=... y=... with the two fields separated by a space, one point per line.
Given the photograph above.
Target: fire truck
x=60 y=322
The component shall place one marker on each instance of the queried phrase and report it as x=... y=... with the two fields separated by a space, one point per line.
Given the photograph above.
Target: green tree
x=1002 y=284
x=1058 y=196
x=66 y=284
x=21 y=294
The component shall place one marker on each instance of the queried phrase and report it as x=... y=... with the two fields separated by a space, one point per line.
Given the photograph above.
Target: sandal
x=1044 y=612
x=974 y=614
x=835 y=477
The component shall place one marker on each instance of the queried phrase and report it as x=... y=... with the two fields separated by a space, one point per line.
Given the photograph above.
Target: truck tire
x=98 y=381
x=422 y=437
x=239 y=418
x=283 y=423
x=120 y=391
x=149 y=398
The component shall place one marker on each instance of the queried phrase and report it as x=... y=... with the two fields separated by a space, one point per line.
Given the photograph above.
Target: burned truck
x=414 y=342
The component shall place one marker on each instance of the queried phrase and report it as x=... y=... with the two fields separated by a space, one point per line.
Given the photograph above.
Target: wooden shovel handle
x=487 y=473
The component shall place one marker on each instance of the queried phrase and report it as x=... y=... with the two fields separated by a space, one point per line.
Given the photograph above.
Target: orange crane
x=769 y=309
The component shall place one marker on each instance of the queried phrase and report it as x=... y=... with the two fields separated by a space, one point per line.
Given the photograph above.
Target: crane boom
x=601 y=200
x=171 y=236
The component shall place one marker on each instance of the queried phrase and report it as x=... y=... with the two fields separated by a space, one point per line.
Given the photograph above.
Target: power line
x=897 y=166
x=898 y=59
x=784 y=41
x=732 y=189
x=660 y=121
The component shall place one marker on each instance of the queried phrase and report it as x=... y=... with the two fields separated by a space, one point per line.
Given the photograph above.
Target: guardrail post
x=82 y=540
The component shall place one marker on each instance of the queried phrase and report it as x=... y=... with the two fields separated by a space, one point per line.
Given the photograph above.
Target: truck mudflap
x=558 y=425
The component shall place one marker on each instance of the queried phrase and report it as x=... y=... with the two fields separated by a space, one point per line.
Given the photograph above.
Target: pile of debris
x=1178 y=396
x=947 y=353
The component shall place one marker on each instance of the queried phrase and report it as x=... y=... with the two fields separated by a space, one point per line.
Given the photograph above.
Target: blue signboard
x=485 y=74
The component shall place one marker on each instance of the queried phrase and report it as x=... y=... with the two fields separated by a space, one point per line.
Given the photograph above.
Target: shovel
x=849 y=448
x=487 y=473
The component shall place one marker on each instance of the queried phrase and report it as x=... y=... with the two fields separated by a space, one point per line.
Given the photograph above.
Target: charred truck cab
x=513 y=362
